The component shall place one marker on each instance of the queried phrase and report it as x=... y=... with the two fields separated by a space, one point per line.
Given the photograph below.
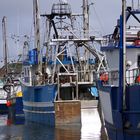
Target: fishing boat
x=59 y=70
x=3 y=71
x=119 y=85
x=10 y=89
x=3 y=97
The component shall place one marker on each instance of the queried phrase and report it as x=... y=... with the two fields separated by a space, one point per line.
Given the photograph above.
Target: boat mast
x=86 y=31
x=132 y=4
x=36 y=17
x=86 y=18
x=5 y=44
x=124 y=49
x=138 y=4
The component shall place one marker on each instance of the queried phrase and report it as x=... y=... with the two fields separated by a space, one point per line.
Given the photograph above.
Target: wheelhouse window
x=26 y=71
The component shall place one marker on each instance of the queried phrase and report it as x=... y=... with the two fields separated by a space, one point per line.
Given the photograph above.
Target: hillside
x=12 y=68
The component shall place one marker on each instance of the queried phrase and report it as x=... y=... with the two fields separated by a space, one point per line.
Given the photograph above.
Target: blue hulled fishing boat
x=3 y=101
x=119 y=86
x=58 y=70
x=38 y=93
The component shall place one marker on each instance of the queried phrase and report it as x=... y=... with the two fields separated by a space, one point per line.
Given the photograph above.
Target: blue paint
x=33 y=57
x=40 y=94
x=48 y=118
x=120 y=97
x=44 y=93
x=19 y=113
x=117 y=131
x=3 y=108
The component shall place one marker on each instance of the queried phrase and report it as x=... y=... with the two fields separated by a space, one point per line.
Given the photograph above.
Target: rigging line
x=44 y=28
x=80 y=28
x=81 y=18
x=31 y=33
x=100 y=23
x=91 y=27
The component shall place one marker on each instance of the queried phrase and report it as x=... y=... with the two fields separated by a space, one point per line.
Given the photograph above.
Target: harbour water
x=89 y=130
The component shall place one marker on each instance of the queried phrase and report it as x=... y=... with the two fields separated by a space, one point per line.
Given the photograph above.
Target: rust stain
x=67 y=112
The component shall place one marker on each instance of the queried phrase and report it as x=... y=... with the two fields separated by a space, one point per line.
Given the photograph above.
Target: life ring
x=9 y=103
x=104 y=77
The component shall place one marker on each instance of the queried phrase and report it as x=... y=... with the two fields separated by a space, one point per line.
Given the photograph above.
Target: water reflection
x=68 y=133
x=38 y=132
x=11 y=132
x=3 y=120
x=90 y=125
x=89 y=130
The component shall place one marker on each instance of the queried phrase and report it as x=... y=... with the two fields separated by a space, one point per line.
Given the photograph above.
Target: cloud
x=19 y=15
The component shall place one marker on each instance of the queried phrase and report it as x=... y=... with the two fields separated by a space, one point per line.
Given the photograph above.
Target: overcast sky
x=19 y=17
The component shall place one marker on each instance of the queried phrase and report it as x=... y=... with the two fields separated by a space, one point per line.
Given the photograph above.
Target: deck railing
x=112 y=77
x=133 y=76
x=82 y=76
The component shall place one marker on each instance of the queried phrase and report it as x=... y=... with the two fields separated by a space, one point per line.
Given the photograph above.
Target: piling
x=68 y=112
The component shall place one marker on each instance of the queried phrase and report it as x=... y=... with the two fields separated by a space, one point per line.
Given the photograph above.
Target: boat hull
x=38 y=103
x=3 y=106
x=125 y=124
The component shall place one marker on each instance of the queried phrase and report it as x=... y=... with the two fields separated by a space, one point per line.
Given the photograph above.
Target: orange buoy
x=104 y=77
x=8 y=103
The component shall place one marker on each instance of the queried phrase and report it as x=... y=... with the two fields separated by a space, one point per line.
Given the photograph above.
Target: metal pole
x=86 y=18
x=132 y=4
x=5 y=44
x=77 y=95
x=58 y=86
x=37 y=32
x=86 y=33
x=124 y=49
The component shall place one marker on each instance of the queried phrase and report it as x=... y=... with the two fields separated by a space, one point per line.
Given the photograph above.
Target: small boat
x=119 y=85
x=10 y=89
x=3 y=99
